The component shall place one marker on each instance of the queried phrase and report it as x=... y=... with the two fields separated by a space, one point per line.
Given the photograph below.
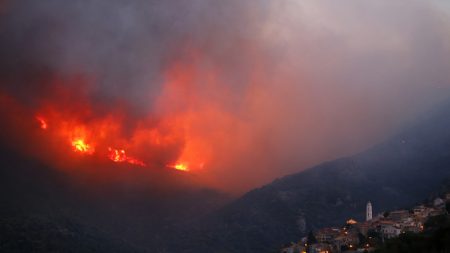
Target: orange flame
x=119 y=156
x=98 y=133
x=180 y=166
x=80 y=146
x=134 y=161
x=172 y=138
x=42 y=122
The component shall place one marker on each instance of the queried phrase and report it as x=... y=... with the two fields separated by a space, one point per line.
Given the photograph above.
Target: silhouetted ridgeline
x=398 y=173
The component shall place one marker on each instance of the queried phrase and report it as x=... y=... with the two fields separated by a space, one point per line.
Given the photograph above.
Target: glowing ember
x=119 y=156
x=42 y=122
x=134 y=161
x=179 y=166
x=79 y=145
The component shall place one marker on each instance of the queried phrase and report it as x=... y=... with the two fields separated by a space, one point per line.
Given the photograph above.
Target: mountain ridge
x=400 y=171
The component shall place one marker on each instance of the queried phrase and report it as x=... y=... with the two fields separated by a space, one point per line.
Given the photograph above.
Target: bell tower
x=368 y=211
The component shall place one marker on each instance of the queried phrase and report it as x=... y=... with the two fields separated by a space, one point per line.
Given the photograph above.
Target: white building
x=438 y=202
x=368 y=211
x=390 y=231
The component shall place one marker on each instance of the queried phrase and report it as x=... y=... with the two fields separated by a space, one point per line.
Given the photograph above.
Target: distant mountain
x=397 y=173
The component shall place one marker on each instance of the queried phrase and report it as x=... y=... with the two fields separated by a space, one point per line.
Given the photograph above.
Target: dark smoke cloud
x=300 y=81
x=125 y=45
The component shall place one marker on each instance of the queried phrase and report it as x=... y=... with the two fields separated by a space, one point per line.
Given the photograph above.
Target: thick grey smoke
x=124 y=44
x=300 y=81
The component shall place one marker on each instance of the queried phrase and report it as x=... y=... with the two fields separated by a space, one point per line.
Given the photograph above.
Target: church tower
x=368 y=211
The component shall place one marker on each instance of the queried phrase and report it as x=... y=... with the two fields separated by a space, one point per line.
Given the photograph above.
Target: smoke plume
x=234 y=92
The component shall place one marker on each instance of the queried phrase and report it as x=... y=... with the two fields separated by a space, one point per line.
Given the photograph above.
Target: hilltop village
x=366 y=236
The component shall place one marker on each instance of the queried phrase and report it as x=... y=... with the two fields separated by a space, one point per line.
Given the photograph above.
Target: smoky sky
x=295 y=82
x=125 y=44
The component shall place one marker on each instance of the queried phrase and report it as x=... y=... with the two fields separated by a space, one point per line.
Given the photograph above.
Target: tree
x=311 y=238
x=362 y=239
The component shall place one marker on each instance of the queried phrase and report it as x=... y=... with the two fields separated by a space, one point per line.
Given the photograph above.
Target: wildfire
x=119 y=156
x=69 y=117
x=180 y=166
x=80 y=146
x=100 y=131
x=42 y=122
x=134 y=161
